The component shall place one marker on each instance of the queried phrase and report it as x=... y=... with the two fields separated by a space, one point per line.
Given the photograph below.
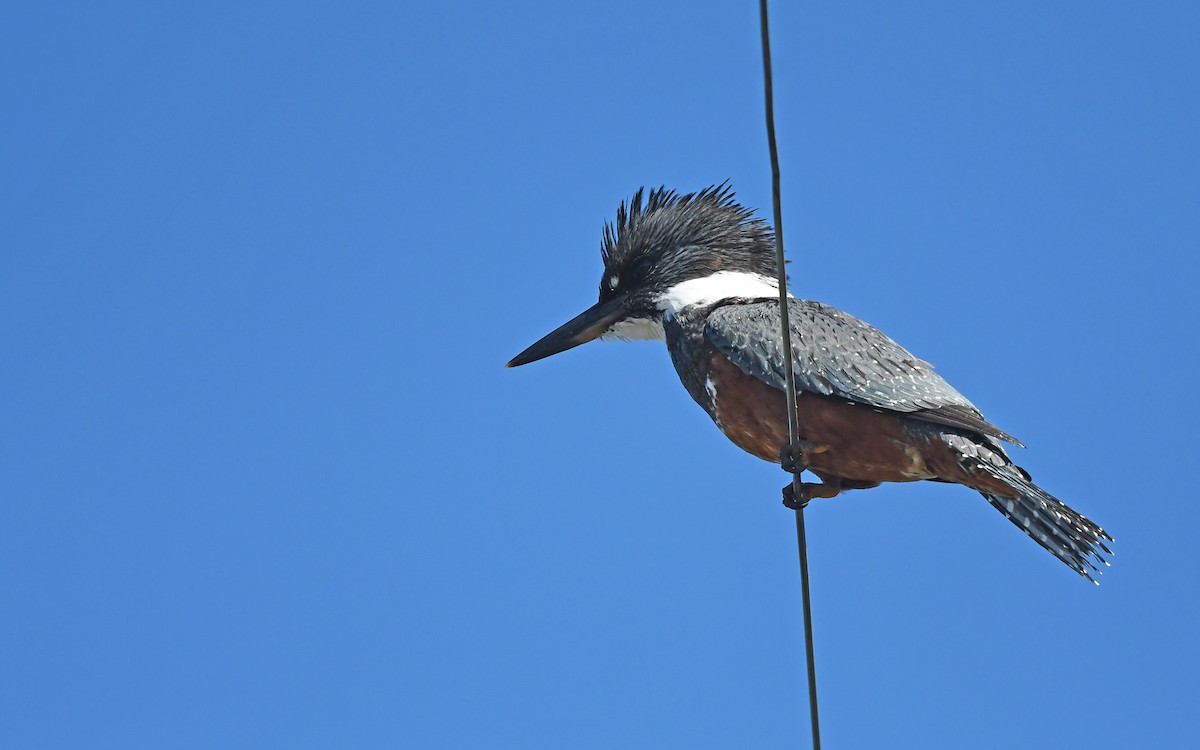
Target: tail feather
x=1050 y=522
x=1063 y=531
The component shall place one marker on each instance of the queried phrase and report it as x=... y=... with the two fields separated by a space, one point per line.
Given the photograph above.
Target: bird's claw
x=793 y=500
x=795 y=458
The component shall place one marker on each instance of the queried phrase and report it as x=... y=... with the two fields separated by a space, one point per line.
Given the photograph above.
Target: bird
x=699 y=272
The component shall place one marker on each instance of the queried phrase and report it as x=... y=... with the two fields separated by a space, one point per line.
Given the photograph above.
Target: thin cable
x=789 y=374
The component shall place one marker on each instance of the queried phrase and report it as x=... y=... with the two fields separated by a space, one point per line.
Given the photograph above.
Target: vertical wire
x=789 y=375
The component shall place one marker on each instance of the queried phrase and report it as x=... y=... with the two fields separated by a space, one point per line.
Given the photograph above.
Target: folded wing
x=836 y=354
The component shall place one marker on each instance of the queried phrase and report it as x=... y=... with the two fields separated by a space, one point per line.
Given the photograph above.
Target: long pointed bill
x=589 y=324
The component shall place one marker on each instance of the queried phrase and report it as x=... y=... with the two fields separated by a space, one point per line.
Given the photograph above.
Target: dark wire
x=789 y=375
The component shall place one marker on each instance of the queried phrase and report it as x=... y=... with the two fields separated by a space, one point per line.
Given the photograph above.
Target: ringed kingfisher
x=699 y=272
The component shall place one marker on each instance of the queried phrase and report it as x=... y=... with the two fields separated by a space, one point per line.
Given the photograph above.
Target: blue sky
x=266 y=482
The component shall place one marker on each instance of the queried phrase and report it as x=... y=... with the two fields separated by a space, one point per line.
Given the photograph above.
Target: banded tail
x=1063 y=531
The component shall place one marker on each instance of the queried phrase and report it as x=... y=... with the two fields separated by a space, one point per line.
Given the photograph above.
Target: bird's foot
x=808 y=490
x=795 y=458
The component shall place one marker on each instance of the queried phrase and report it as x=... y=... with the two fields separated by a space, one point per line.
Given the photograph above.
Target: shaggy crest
x=708 y=218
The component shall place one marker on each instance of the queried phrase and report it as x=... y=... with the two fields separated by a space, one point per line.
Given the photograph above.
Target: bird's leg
x=809 y=490
x=796 y=457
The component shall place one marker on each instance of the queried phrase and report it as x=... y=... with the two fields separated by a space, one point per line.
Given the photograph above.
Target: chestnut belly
x=863 y=443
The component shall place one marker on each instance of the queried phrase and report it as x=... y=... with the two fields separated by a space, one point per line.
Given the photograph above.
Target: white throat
x=635 y=329
x=721 y=285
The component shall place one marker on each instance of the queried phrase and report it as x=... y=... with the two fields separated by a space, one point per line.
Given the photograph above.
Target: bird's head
x=663 y=256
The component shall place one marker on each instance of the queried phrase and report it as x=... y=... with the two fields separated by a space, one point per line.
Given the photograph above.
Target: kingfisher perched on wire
x=699 y=271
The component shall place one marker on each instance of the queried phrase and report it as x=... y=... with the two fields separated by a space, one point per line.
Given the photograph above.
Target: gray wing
x=836 y=354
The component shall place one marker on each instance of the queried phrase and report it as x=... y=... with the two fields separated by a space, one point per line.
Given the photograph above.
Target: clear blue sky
x=264 y=481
